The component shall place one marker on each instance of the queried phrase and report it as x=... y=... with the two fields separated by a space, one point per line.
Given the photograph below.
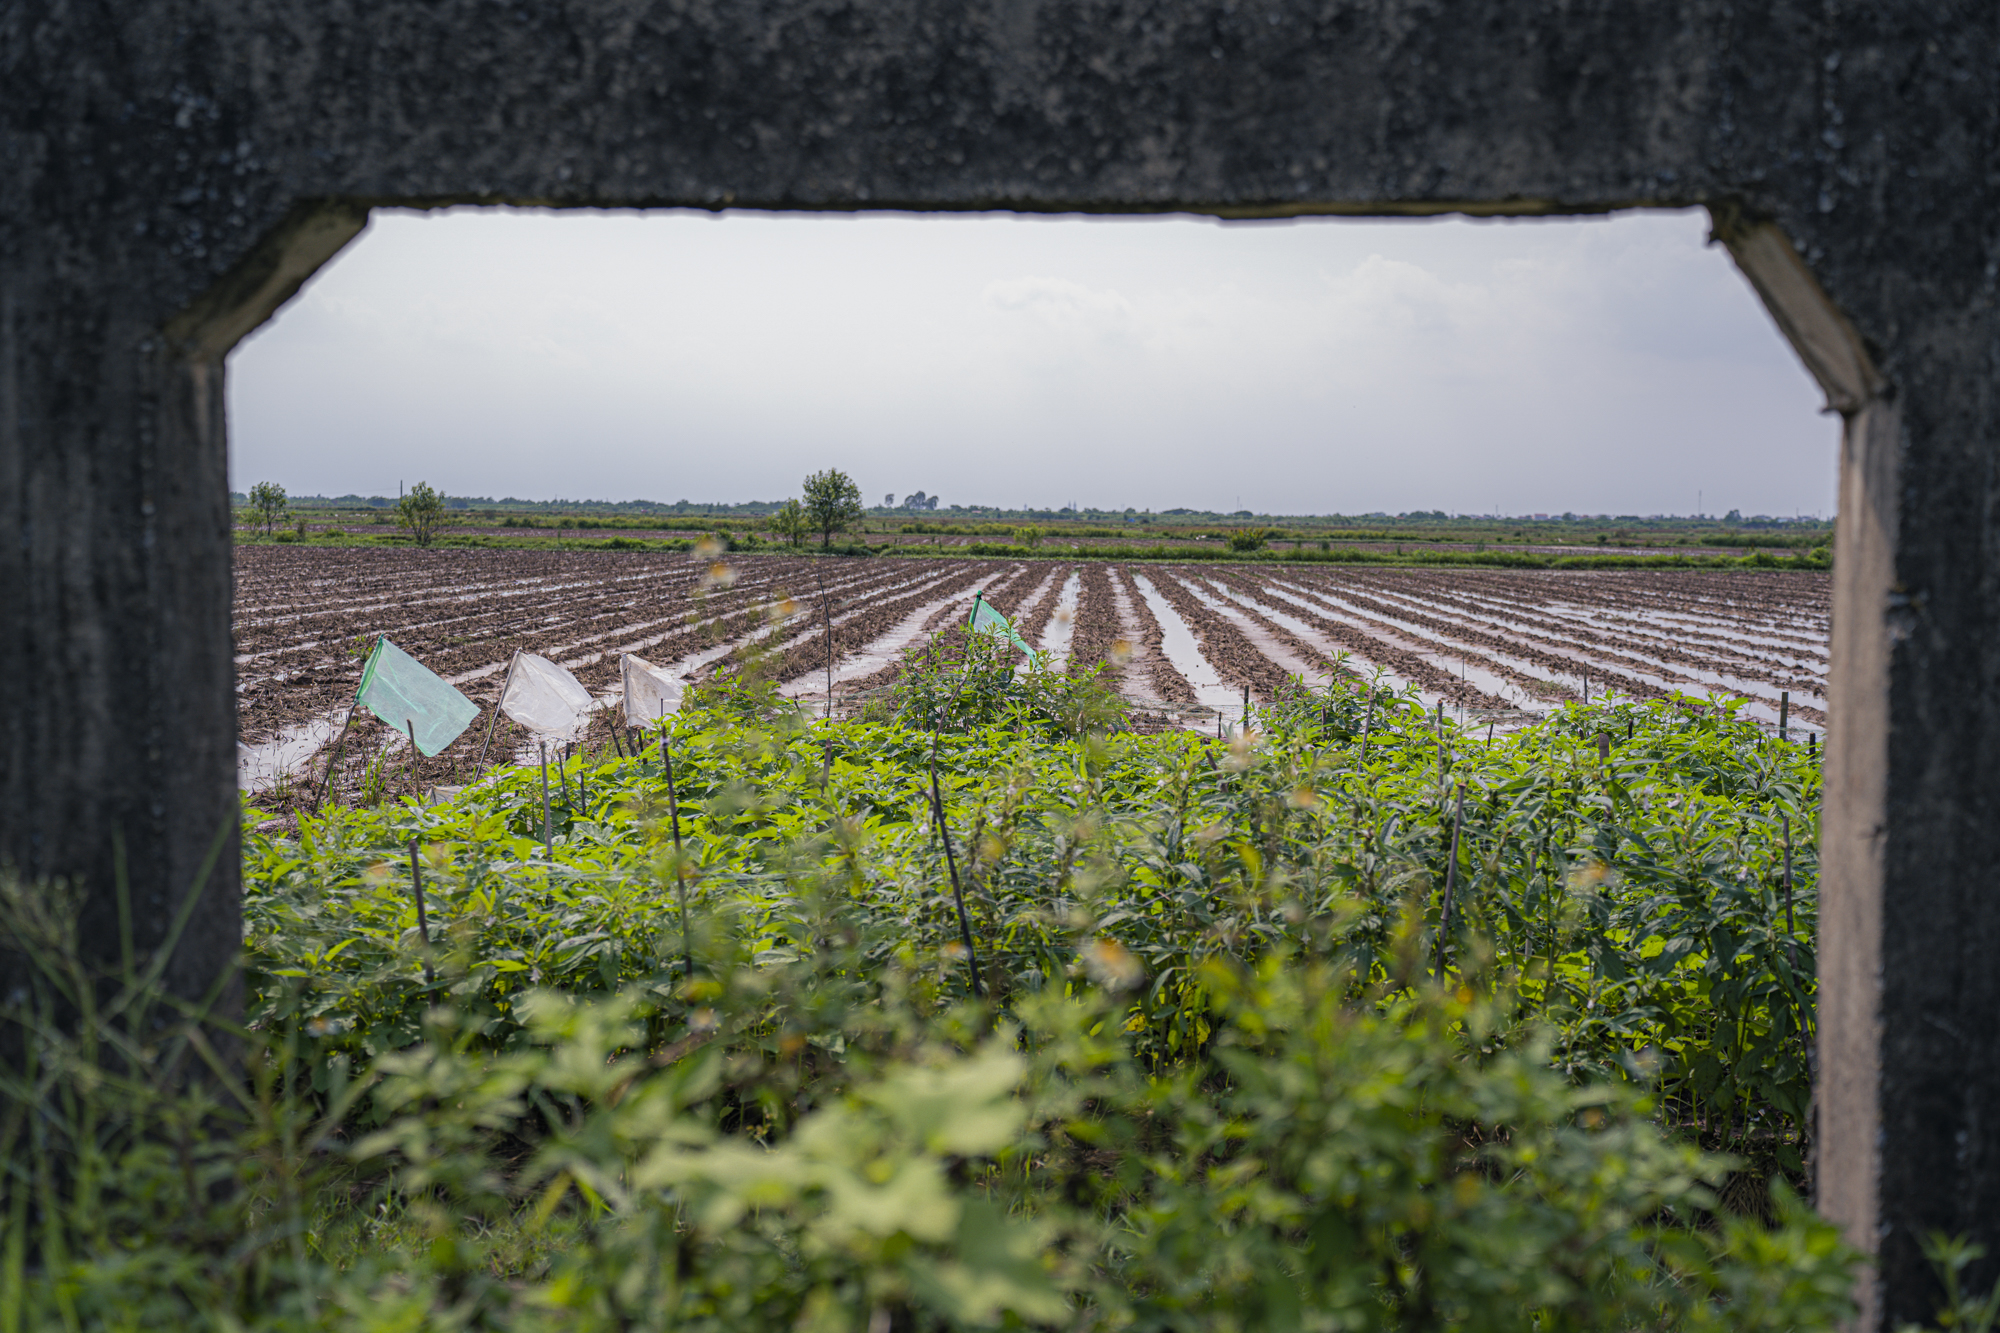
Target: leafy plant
x=421 y=513
x=1248 y=539
x=832 y=503
x=268 y=502
x=791 y=522
x=1358 y=1021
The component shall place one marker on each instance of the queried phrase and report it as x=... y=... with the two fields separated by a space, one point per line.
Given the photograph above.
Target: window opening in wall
x=1360 y=442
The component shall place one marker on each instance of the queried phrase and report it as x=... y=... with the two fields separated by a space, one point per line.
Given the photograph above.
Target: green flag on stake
x=402 y=691
x=985 y=620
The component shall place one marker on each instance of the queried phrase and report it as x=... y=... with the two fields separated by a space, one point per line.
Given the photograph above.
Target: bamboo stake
x=494 y=721
x=1450 y=878
x=1791 y=926
x=548 y=844
x=1442 y=766
x=951 y=863
x=1784 y=714
x=423 y=923
x=411 y=727
x=562 y=774
x=680 y=869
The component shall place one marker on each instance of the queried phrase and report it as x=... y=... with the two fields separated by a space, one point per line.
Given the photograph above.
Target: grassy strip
x=1351 y=556
x=1157 y=552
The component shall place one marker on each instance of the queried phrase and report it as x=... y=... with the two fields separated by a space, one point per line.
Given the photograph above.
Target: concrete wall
x=169 y=173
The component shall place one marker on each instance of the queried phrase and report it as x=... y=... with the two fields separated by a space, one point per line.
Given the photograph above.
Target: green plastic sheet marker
x=985 y=620
x=403 y=692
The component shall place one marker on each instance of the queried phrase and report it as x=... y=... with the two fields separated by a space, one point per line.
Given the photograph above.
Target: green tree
x=267 y=498
x=422 y=512
x=832 y=502
x=791 y=523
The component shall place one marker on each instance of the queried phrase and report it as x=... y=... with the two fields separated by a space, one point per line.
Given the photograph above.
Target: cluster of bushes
x=975 y=1012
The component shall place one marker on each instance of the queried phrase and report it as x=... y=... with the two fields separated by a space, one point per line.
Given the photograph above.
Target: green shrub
x=1232 y=1065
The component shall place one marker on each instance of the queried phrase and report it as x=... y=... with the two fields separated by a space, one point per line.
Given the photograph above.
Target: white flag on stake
x=546 y=699
x=649 y=691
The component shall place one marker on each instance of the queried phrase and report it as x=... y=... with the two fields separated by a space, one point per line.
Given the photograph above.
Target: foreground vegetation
x=1352 y=1021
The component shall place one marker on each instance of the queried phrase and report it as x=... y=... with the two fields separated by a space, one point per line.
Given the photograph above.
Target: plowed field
x=1186 y=640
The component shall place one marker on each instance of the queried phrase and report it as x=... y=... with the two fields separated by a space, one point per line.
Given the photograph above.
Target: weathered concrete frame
x=171 y=172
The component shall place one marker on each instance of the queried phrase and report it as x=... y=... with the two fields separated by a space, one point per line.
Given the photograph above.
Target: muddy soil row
x=1382 y=646
x=1472 y=640
x=1438 y=608
x=1150 y=660
x=673 y=618
x=302 y=611
x=1709 y=621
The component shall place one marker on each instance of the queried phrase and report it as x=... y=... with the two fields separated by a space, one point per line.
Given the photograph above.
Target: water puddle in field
x=1060 y=632
x=1133 y=681
x=259 y=767
x=1177 y=641
x=1259 y=638
x=1025 y=612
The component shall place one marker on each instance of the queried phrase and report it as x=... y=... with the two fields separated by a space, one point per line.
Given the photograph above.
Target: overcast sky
x=1617 y=366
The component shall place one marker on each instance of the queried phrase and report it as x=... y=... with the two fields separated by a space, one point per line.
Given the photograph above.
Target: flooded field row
x=1183 y=641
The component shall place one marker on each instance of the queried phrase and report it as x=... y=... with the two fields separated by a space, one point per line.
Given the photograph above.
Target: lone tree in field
x=422 y=512
x=268 y=499
x=791 y=523
x=833 y=502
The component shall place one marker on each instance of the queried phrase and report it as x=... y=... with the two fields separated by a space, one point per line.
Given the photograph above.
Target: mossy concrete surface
x=170 y=172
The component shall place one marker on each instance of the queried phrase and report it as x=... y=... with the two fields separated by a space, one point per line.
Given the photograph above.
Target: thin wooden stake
x=1791 y=927
x=494 y=721
x=1450 y=878
x=951 y=863
x=1784 y=715
x=423 y=923
x=548 y=843
x=680 y=870
x=411 y=727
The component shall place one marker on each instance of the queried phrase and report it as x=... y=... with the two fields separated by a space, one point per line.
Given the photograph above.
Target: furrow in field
x=1565 y=657
x=1635 y=655
x=1182 y=649
x=1236 y=659
x=1151 y=671
x=1460 y=679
